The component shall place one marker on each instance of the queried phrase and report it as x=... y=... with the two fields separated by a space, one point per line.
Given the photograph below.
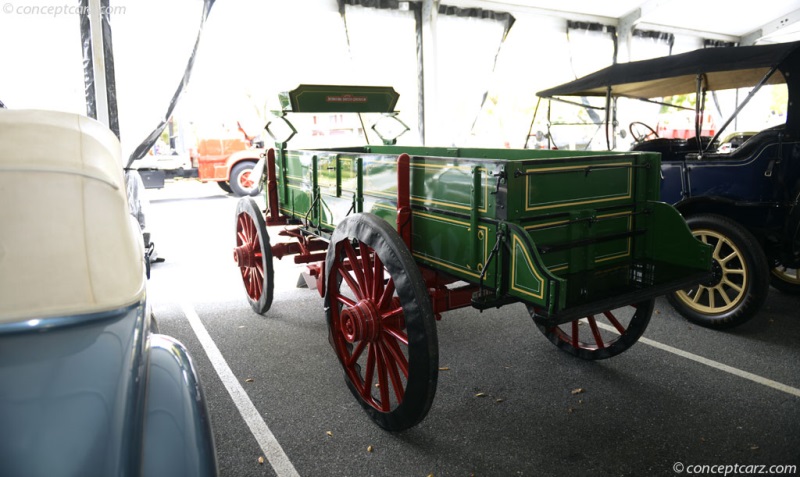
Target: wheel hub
x=244 y=256
x=716 y=275
x=244 y=180
x=361 y=322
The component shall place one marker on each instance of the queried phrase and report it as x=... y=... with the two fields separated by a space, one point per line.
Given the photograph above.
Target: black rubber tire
x=741 y=281
x=224 y=186
x=610 y=343
x=238 y=172
x=257 y=273
x=409 y=312
x=785 y=279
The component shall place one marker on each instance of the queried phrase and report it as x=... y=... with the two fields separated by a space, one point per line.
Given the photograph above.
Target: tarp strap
x=88 y=62
x=417 y=9
x=111 y=83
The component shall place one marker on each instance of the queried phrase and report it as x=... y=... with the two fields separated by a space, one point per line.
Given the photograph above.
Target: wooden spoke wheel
x=785 y=279
x=253 y=255
x=602 y=335
x=381 y=322
x=741 y=279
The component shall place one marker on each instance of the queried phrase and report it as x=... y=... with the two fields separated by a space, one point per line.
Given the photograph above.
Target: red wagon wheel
x=381 y=322
x=253 y=255
x=602 y=335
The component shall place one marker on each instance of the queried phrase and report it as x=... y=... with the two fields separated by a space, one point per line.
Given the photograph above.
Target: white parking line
x=713 y=364
x=272 y=450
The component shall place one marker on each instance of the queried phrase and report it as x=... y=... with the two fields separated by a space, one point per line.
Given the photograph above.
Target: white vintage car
x=87 y=386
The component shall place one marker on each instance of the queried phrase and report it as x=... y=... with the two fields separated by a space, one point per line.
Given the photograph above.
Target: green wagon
x=395 y=236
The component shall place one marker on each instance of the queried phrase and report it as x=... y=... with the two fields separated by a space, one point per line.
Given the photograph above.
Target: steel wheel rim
x=734 y=271
x=786 y=274
x=249 y=256
x=368 y=328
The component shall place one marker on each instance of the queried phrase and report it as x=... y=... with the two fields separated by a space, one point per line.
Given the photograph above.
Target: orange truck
x=229 y=163
x=226 y=161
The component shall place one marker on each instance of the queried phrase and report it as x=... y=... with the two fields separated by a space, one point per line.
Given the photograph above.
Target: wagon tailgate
x=591 y=232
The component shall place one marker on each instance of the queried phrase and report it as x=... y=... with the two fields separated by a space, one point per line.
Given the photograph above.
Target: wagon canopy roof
x=725 y=68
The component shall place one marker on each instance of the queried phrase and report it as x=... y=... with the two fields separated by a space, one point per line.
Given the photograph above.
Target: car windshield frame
x=697 y=72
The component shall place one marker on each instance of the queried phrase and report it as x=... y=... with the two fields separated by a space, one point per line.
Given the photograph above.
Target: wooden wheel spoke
x=242 y=227
x=356 y=353
x=399 y=335
x=377 y=278
x=383 y=382
x=369 y=373
x=613 y=320
x=350 y=282
x=575 y=341
x=397 y=353
x=386 y=296
x=366 y=267
x=345 y=301
x=354 y=265
x=596 y=332
x=394 y=376
x=392 y=315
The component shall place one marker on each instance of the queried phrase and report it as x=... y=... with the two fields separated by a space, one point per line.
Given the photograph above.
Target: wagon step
x=485 y=298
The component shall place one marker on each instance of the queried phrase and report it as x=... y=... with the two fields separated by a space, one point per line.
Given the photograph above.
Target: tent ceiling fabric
x=737 y=20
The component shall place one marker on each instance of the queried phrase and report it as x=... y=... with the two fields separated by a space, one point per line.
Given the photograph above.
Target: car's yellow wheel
x=785 y=279
x=740 y=282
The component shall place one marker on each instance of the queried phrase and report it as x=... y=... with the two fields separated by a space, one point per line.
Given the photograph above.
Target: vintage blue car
x=87 y=386
x=742 y=195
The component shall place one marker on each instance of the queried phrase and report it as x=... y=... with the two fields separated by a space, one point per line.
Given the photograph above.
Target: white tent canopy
x=467 y=70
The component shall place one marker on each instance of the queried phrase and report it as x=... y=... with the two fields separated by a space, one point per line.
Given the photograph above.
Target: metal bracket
x=390 y=141
x=501 y=178
x=282 y=116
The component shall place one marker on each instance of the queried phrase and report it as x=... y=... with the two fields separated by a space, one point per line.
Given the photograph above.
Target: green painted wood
x=339 y=99
x=572 y=226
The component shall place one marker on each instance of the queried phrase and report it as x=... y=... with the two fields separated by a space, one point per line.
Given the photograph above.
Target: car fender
x=177 y=432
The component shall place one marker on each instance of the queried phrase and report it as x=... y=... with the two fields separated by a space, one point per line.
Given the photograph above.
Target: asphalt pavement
x=508 y=402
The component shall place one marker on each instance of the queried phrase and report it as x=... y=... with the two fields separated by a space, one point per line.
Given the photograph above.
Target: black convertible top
x=725 y=68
